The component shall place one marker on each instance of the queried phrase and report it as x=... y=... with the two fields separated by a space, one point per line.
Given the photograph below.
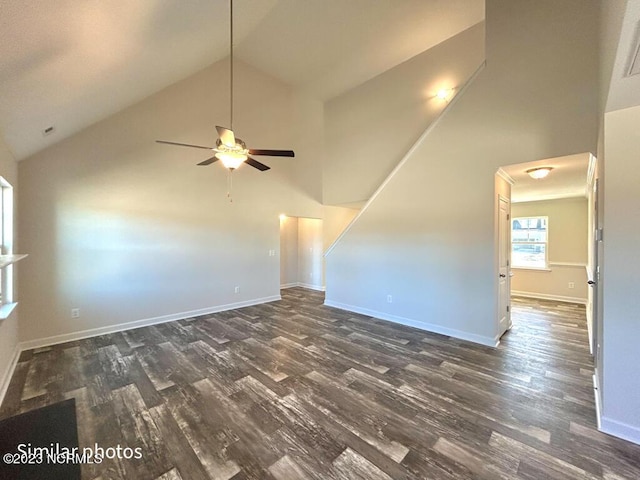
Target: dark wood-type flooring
x=296 y=390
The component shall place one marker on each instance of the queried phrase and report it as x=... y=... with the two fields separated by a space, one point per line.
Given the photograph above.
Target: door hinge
x=508 y=216
x=507 y=308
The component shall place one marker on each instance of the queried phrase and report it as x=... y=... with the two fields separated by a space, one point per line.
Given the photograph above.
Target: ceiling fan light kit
x=230 y=150
x=539 y=172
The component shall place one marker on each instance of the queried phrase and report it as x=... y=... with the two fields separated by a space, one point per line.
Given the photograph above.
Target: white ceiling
x=71 y=63
x=567 y=179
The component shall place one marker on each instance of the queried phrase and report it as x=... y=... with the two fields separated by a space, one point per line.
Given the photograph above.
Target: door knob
x=502 y=275
x=591 y=282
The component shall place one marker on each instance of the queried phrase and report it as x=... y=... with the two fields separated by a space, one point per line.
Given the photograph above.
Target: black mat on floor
x=53 y=427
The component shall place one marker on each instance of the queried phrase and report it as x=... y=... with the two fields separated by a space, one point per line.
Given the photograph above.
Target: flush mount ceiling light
x=539 y=172
x=229 y=149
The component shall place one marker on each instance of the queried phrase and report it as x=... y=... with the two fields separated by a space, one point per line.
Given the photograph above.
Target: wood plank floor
x=296 y=390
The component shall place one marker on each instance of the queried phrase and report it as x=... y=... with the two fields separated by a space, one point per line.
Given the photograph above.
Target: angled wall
x=428 y=237
x=370 y=128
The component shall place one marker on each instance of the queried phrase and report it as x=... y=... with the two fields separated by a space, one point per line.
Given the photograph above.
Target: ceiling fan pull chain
x=229 y=186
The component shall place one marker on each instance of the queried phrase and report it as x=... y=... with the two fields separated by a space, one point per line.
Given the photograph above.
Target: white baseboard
x=620 y=430
x=317 y=288
x=596 y=392
x=429 y=327
x=544 y=296
x=303 y=285
x=93 y=332
x=5 y=379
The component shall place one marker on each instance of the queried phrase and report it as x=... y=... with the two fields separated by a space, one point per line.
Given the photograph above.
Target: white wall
x=9 y=326
x=371 y=127
x=126 y=229
x=621 y=276
x=428 y=238
x=568 y=240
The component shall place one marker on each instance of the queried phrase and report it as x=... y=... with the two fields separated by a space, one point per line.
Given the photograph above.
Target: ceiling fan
x=233 y=152
x=229 y=149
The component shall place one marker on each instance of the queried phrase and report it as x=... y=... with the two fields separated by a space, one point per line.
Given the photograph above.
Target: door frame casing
x=507 y=247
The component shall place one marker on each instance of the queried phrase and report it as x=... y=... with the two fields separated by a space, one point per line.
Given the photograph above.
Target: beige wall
x=568 y=240
x=9 y=327
x=127 y=230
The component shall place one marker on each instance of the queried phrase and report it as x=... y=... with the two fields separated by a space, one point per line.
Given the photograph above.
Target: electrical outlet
x=389 y=299
x=237 y=289
x=572 y=285
x=75 y=313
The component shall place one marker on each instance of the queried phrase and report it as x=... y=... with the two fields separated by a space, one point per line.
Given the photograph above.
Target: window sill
x=11 y=259
x=535 y=269
x=6 y=309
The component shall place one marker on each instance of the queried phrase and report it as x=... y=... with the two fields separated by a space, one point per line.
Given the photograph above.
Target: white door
x=504 y=255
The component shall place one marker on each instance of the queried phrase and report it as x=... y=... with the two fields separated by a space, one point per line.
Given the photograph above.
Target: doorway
x=301 y=251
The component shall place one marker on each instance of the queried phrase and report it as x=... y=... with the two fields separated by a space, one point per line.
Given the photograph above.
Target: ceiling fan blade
x=209 y=161
x=256 y=164
x=183 y=144
x=226 y=136
x=272 y=153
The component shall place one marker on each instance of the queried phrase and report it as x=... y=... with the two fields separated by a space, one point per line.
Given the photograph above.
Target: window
x=6 y=241
x=529 y=242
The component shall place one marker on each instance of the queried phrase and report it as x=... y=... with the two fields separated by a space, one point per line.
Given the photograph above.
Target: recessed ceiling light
x=539 y=172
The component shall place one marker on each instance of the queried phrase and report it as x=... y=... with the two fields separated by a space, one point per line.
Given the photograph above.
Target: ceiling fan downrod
x=230 y=64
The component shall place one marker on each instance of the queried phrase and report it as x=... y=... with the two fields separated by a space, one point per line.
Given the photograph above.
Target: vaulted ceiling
x=68 y=64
